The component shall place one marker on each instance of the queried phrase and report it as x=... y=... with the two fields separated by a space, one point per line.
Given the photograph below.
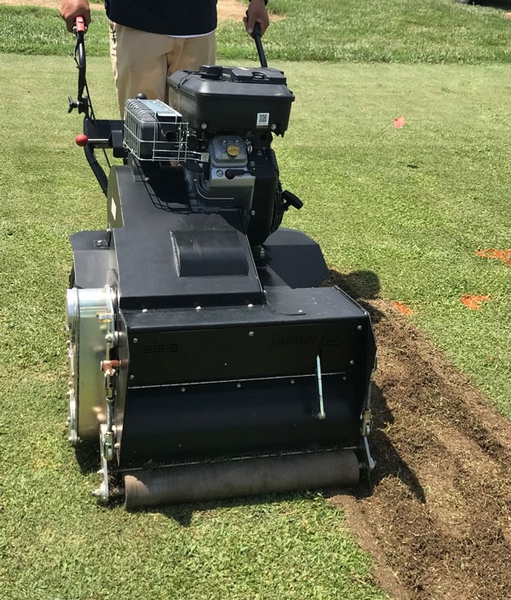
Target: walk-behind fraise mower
x=205 y=356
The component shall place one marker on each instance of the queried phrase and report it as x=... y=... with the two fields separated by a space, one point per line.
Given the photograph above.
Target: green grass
x=403 y=31
x=417 y=228
x=416 y=31
x=412 y=205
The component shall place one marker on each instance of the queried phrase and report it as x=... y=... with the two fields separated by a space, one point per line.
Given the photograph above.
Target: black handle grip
x=256 y=34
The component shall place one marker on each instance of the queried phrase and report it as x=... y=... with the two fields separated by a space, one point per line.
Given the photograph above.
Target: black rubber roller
x=240 y=478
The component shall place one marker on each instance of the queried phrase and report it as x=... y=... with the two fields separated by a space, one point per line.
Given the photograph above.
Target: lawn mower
x=205 y=356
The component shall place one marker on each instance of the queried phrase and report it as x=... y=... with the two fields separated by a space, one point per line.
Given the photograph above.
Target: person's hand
x=70 y=9
x=256 y=13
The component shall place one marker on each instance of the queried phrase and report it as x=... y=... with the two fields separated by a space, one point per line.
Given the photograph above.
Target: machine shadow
x=499 y=5
x=389 y=462
x=87 y=457
x=364 y=286
x=357 y=284
x=183 y=514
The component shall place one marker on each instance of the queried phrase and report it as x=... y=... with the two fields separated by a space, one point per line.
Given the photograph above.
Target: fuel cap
x=233 y=150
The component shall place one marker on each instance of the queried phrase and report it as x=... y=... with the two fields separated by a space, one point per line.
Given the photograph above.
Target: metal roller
x=240 y=478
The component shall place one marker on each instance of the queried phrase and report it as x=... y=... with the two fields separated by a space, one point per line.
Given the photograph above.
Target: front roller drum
x=240 y=478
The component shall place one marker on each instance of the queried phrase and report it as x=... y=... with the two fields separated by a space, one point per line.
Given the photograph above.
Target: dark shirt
x=170 y=17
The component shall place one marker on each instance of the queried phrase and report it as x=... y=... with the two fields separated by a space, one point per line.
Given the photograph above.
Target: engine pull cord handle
x=256 y=34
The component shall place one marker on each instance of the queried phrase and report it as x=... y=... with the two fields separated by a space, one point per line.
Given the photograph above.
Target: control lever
x=256 y=34
x=291 y=200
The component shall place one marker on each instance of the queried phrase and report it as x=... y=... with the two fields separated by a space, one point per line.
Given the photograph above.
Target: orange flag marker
x=402 y=308
x=474 y=302
x=399 y=122
x=503 y=255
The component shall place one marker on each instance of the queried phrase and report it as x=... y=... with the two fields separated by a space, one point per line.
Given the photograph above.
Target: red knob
x=81 y=139
x=79 y=24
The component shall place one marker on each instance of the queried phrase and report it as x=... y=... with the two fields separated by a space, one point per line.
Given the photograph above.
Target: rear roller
x=240 y=478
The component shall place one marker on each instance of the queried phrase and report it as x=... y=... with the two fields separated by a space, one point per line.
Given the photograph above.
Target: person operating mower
x=151 y=40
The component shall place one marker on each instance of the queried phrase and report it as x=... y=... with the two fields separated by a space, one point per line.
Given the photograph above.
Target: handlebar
x=256 y=34
x=82 y=103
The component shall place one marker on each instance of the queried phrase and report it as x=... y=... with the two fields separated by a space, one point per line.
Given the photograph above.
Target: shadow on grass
x=183 y=513
x=388 y=460
x=360 y=285
x=87 y=457
x=504 y=5
x=364 y=286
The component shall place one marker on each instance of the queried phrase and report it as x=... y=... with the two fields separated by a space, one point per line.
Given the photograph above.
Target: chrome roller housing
x=90 y=327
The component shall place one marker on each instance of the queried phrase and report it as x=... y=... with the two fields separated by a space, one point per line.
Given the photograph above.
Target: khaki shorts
x=142 y=61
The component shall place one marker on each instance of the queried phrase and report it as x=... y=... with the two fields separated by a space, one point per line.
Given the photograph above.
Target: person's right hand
x=70 y=9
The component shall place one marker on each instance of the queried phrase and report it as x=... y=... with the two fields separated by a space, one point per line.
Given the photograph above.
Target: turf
x=402 y=31
x=405 y=207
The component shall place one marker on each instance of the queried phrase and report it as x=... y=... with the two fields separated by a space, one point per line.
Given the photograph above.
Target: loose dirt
x=436 y=512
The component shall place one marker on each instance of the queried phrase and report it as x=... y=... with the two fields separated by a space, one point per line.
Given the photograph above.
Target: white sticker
x=113 y=209
x=263 y=119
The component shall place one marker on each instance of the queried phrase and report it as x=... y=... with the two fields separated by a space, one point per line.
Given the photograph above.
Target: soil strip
x=436 y=512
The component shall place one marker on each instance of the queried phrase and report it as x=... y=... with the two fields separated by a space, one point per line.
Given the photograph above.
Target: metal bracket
x=369 y=459
x=321 y=414
x=109 y=366
x=106 y=446
x=365 y=430
x=367 y=420
x=106 y=492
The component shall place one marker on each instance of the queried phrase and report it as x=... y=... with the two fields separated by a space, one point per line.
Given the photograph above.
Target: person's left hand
x=256 y=13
